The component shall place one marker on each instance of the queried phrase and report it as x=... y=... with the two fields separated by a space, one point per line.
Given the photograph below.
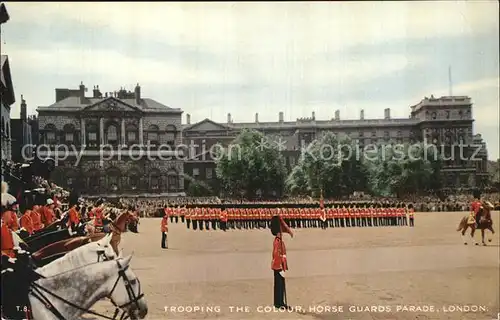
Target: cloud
x=266 y=28
x=115 y=66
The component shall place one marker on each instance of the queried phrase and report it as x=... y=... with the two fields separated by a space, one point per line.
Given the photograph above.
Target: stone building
x=7 y=100
x=22 y=135
x=107 y=144
x=445 y=121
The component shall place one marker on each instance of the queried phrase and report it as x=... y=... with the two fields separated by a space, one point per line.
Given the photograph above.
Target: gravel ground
x=425 y=272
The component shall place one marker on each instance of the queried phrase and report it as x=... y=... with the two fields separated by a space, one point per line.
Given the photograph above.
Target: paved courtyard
x=424 y=272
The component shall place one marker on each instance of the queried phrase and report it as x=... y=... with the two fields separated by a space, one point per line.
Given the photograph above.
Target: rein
x=36 y=291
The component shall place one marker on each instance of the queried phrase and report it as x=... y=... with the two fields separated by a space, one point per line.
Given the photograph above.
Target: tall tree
x=329 y=164
x=251 y=165
x=403 y=169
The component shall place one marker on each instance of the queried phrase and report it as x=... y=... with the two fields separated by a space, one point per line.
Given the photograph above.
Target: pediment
x=111 y=105
x=206 y=125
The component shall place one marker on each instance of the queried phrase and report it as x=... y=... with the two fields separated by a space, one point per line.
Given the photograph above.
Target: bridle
x=36 y=291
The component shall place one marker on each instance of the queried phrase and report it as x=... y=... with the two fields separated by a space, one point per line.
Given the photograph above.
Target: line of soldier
x=336 y=216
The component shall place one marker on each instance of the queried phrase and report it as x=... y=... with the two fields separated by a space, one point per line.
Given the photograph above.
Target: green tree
x=197 y=188
x=251 y=165
x=403 y=169
x=328 y=164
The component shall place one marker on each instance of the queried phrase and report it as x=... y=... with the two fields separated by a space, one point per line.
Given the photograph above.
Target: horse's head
x=104 y=248
x=126 y=293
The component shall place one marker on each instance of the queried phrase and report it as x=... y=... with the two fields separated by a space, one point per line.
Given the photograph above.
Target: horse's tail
x=462 y=224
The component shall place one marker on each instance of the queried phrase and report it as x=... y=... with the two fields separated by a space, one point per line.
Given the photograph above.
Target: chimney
x=256 y=118
x=106 y=95
x=281 y=116
x=362 y=114
x=314 y=115
x=97 y=93
x=337 y=114
x=188 y=118
x=387 y=113
x=229 y=120
x=24 y=111
x=82 y=93
x=138 y=94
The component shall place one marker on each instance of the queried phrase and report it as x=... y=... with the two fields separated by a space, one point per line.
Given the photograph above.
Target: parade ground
x=425 y=272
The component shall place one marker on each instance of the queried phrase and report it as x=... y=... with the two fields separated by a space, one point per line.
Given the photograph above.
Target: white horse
x=92 y=252
x=70 y=294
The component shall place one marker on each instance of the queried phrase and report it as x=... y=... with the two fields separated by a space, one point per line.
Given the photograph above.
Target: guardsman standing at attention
x=164 y=230
x=223 y=219
x=279 y=260
x=410 y=215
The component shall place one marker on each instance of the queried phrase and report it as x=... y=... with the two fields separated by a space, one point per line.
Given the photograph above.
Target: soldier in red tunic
x=164 y=230
x=279 y=260
x=476 y=205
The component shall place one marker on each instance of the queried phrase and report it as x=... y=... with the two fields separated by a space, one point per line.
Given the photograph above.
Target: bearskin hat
x=476 y=194
x=73 y=198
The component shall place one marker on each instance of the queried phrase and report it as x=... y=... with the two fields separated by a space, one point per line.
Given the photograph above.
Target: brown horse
x=118 y=226
x=485 y=223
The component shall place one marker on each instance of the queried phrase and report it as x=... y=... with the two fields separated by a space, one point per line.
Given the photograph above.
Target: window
x=155 y=182
x=51 y=137
x=434 y=116
x=196 y=172
x=69 y=182
x=131 y=136
x=400 y=133
x=153 y=137
x=461 y=114
x=173 y=182
x=447 y=114
x=361 y=134
x=92 y=136
x=69 y=137
x=374 y=133
x=292 y=161
x=209 y=173
x=112 y=134
x=133 y=182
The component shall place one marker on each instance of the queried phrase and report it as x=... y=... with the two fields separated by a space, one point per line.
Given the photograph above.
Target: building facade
x=108 y=144
x=22 y=135
x=7 y=100
x=445 y=122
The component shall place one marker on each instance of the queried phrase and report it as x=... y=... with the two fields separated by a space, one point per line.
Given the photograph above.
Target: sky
x=210 y=59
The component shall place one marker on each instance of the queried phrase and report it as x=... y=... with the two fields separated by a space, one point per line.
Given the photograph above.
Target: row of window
x=209 y=173
x=110 y=137
x=433 y=115
x=133 y=182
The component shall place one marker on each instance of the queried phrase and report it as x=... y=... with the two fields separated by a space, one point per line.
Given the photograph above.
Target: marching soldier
x=223 y=219
x=164 y=230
